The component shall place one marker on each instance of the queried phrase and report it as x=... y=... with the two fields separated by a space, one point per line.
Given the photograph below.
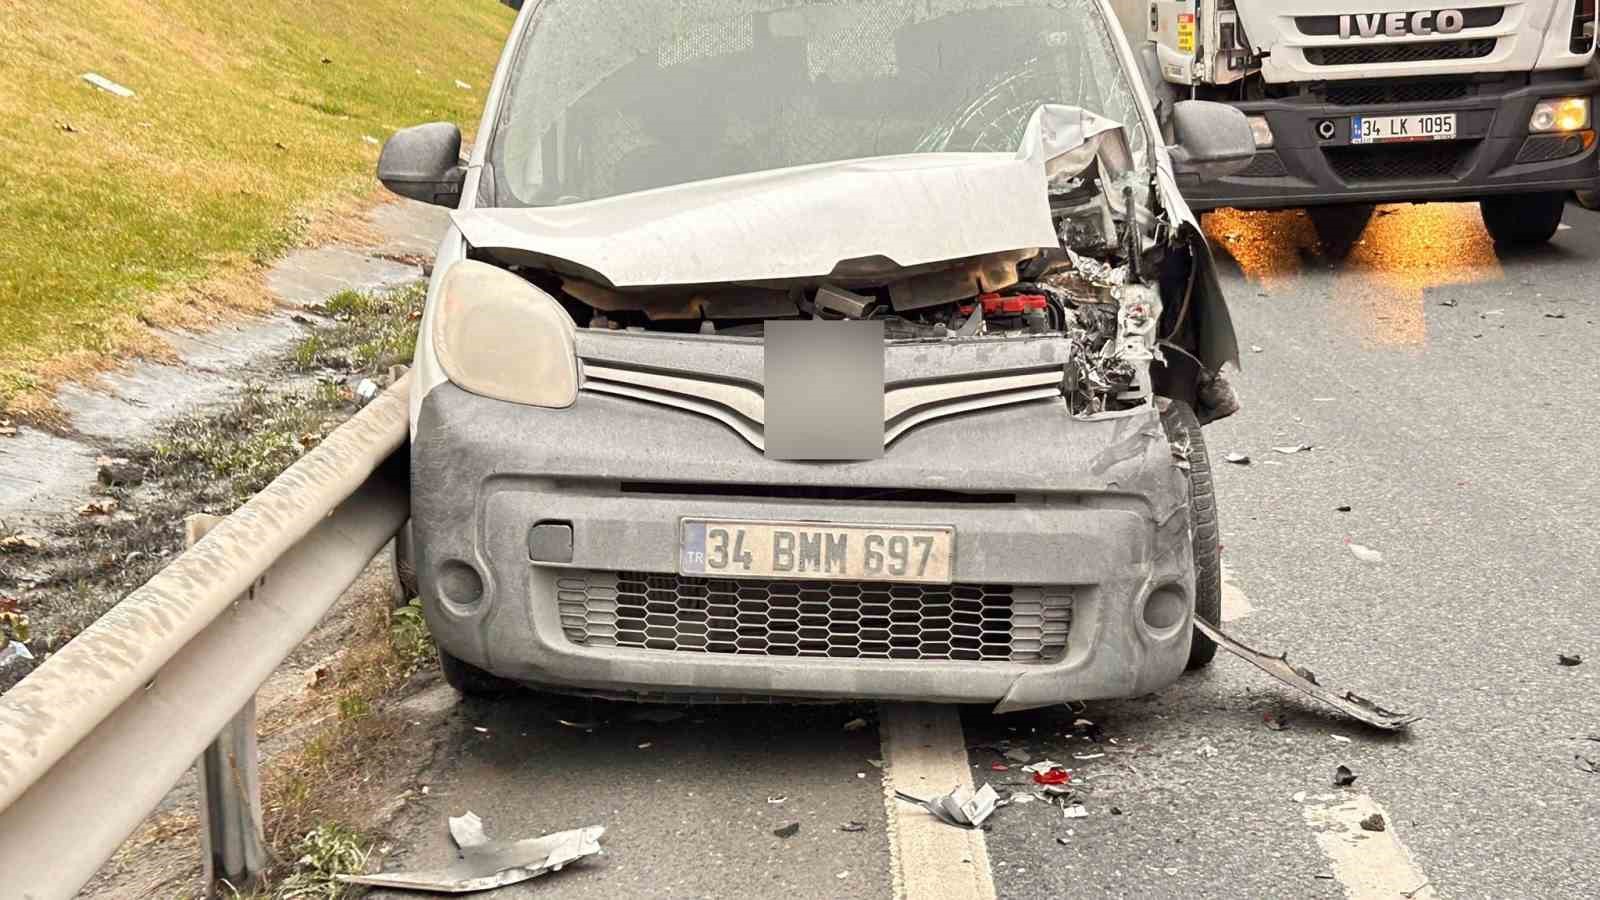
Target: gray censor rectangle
x=824 y=390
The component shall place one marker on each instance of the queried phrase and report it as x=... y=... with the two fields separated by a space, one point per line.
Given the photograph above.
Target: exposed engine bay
x=1118 y=285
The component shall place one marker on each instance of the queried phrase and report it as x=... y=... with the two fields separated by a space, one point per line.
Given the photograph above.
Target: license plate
x=1398 y=129
x=815 y=551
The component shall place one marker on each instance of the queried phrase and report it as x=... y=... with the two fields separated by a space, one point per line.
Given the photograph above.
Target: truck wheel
x=1523 y=219
x=1339 y=227
x=1182 y=424
x=472 y=681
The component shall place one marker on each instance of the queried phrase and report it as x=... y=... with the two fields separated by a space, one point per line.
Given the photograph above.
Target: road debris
x=1290 y=451
x=1206 y=751
x=1364 y=553
x=12 y=651
x=855 y=724
x=1569 y=660
x=367 y=391
x=853 y=827
x=787 y=831
x=117 y=470
x=1373 y=822
x=107 y=85
x=999 y=767
x=1343 y=777
x=463 y=85
x=15 y=543
x=486 y=864
x=1075 y=812
x=1343 y=509
x=1020 y=756
x=1586 y=764
x=100 y=506
x=1238 y=459
x=1301 y=678
x=590 y=725
x=1338 y=739
x=1275 y=721
x=1053 y=776
x=1299 y=797
x=1087 y=756
x=777 y=799
x=960 y=807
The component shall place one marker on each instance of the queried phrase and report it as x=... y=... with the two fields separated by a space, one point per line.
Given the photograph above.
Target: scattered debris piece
x=656 y=715
x=1555 y=315
x=1448 y=302
x=1290 y=451
x=13 y=543
x=1585 y=764
x=367 y=391
x=1043 y=765
x=117 y=470
x=463 y=85
x=777 y=799
x=1087 y=756
x=1020 y=756
x=1206 y=751
x=107 y=85
x=853 y=827
x=855 y=724
x=1055 y=776
x=100 y=506
x=1019 y=799
x=875 y=763
x=787 y=831
x=1299 y=797
x=1343 y=508
x=646 y=745
x=1116 y=810
x=1373 y=822
x=1075 y=812
x=1063 y=841
x=590 y=725
x=1569 y=660
x=12 y=651
x=369 y=139
x=1343 y=777
x=1238 y=459
x=1275 y=721
x=999 y=767
x=1349 y=703
x=1364 y=553
x=960 y=807
x=487 y=864
x=1255 y=348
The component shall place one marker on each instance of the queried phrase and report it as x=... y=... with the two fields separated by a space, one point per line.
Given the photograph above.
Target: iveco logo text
x=1444 y=21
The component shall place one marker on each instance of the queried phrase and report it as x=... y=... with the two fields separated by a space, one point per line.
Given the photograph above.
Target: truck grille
x=838 y=620
x=1371 y=94
x=1438 y=160
x=1381 y=54
x=1328 y=26
x=1267 y=164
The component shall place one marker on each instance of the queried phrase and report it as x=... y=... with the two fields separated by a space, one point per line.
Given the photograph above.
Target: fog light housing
x=1561 y=114
x=1262 y=129
x=1166 y=608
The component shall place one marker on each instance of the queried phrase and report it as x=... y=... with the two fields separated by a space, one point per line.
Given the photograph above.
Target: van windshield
x=609 y=97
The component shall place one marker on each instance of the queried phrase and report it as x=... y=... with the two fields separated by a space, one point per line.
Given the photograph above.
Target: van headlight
x=496 y=335
x=1566 y=114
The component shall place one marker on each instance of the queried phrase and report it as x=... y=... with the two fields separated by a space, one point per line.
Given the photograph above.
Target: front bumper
x=1097 y=509
x=1495 y=155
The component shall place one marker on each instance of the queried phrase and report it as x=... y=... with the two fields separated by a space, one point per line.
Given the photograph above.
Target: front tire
x=1183 y=426
x=1339 y=227
x=1524 y=219
x=471 y=681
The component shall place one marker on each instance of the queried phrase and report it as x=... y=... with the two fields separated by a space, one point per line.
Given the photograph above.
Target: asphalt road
x=1450 y=397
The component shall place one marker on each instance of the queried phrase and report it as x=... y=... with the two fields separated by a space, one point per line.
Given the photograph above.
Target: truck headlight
x=496 y=335
x=1563 y=114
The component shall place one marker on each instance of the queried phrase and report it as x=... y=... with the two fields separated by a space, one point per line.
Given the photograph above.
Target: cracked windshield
x=613 y=98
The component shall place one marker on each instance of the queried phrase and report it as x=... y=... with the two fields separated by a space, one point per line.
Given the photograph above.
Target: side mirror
x=424 y=163
x=1214 y=140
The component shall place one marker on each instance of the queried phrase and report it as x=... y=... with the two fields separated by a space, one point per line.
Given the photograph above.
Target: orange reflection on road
x=1405 y=252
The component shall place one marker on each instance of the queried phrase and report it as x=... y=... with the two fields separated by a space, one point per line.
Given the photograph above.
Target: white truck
x=1358 y=102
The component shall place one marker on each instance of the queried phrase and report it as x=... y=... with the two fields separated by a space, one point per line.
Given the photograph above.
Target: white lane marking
x=1235 y=605
x=925 y=755
x=1368 y=864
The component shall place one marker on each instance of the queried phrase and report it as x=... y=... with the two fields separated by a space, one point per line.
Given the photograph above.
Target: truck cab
x=1358 y=102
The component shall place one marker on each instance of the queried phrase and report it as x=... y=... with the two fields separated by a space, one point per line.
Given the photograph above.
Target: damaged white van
x=595 y=507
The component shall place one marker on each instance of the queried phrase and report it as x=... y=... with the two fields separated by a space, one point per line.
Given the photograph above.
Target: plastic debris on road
x=1304 y=680
x=961 y=807
x=853 y=827
x=1363 y=553
x=486 y=864
x=107 y=85
x=12 y=651
x=367 y=391
x=1343 y=777
x=1238 y=459
x=1075 y=812
x=787 y=831
x=1290 y=451
x=1053 y=777
x=1569 y=660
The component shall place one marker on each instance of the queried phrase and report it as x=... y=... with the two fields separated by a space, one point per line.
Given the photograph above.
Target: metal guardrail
x=92 y=740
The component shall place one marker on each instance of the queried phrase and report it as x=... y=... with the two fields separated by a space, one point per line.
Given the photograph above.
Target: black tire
x=1339 y=227
x=471 y=681
x=1523 y=219
x=1588 y=199
x=1182 y=425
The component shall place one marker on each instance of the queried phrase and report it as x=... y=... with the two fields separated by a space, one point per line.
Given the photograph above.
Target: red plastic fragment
x=999 y=767
x=1054 y=776
x=1015 y=305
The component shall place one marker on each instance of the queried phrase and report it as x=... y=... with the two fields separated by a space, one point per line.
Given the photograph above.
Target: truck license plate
x=1397 y=129
x=815 y=551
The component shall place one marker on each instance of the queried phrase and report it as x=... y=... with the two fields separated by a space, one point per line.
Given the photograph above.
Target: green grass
x=247 y=117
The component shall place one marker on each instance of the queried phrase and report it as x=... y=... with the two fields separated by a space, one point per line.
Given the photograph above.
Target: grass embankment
x=252 y=128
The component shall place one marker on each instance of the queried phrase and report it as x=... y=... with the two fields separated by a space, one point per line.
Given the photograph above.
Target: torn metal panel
x=744 y=227
x=486 y=864
x=1302 y=679
x=961 y=807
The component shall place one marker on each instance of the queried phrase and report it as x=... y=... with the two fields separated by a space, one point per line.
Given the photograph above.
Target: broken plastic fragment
x=960 y=807
x=1343 y=777
x=1365 y=554
x=1053 y=777
x=787 y=831
x=1290 y=451
x=1278 y=667
x=1569 y=660
x=107 y=85
x=1238 y=459
x=1075 y=812
x=487 y=864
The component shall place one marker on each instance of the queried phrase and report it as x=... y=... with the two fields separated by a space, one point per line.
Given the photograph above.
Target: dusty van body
x=594 y=506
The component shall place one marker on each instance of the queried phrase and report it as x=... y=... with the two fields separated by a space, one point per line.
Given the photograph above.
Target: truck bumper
x=1494 y=155
x=1065 y=529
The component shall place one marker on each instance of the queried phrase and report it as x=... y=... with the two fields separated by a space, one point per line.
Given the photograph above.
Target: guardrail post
x=230 y=786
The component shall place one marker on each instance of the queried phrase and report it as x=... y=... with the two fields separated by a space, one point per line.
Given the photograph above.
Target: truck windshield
x=609 y=97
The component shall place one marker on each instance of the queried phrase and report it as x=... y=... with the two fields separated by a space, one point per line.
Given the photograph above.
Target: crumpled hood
x=803 y=222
